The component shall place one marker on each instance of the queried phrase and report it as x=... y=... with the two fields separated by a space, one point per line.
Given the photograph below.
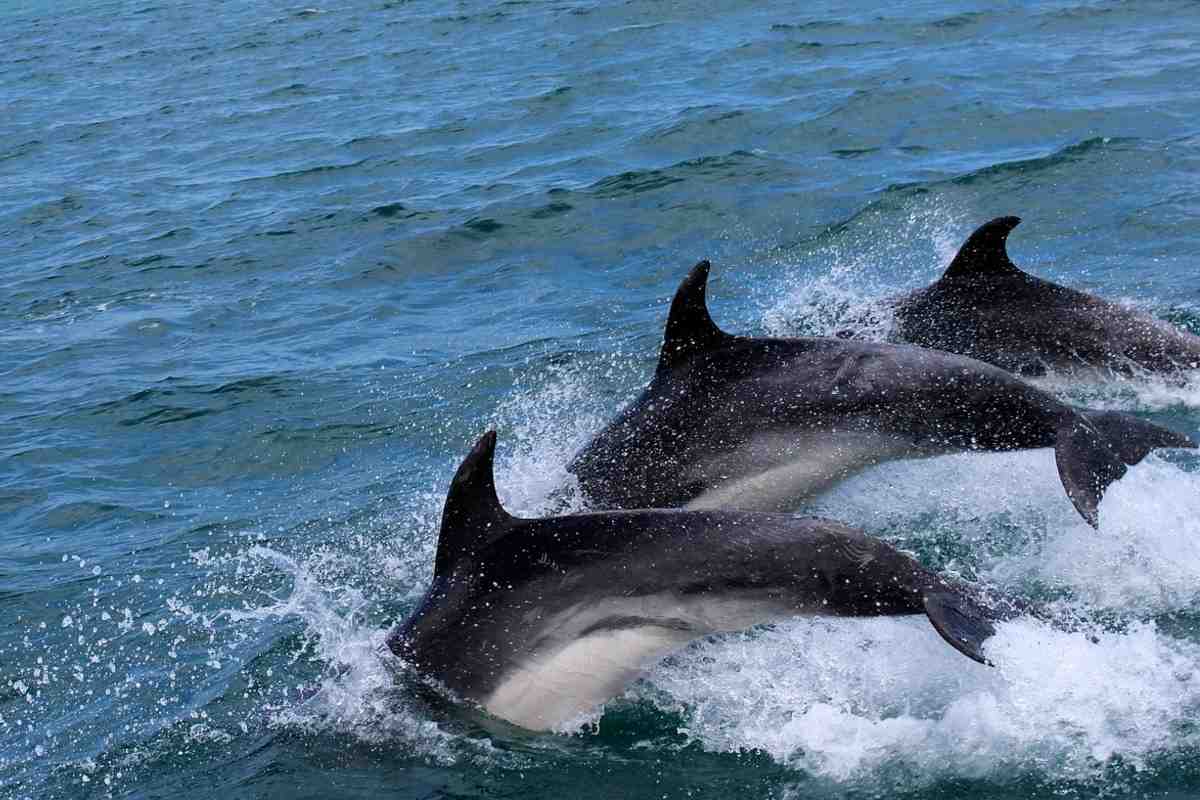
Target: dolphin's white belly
x=548 y=693
x=778 y=473
x=593 y=651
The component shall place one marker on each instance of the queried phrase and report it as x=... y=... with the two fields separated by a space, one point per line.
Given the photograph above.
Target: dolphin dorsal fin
x=984 y=253
x=690 y=329
x=472 y=514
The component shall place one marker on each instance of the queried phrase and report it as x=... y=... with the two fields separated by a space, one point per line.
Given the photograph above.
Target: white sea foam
x=852 y=700
x=1142 y=392
x=872 y=699
x=1144 y=559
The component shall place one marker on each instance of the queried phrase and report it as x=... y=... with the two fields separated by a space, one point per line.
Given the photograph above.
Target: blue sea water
x=270 y=269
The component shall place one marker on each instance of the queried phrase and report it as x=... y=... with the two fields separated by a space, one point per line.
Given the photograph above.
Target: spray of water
x=356 y=692
x=839 y=284
x=878 y=699
x=545 y=425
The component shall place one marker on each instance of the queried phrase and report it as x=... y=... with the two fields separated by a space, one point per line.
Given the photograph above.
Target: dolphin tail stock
x=966 y=620
x=1095 y=448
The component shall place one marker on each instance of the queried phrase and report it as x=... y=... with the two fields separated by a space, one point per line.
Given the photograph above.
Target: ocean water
x=270 y=269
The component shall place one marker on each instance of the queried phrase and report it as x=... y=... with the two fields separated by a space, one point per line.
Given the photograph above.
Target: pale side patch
x=543 y=694
x=773 y=474
x=575 y=673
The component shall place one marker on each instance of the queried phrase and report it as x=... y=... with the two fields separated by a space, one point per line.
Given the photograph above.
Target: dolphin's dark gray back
x=987 y=308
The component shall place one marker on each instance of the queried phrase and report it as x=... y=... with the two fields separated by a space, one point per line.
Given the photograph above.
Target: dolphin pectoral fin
x=962 y=622
x=1087 y=464
x=1132 y=437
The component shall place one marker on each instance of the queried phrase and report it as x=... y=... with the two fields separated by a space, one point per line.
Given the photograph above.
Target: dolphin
x=760 y=424
x=539 y=621
x=985 y=307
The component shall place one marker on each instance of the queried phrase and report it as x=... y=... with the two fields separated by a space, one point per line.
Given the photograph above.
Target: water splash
x=840 y=285
x=1006 y=518
x=546 y=426
x=548 y=418
x=865 y=701
x=884 y=700
x=355 y=693
x=1142 y=391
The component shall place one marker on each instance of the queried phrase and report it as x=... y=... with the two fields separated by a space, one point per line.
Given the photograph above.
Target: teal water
x=269 y=270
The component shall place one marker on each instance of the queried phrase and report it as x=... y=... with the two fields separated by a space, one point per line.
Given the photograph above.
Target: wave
x=302 y=172
x=638 y=181
x=1063 y=156
x=169 y=401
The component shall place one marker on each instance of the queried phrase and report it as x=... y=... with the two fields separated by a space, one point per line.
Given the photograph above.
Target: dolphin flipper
x=1096 y=448
x=962 y=622
x=1087 y=464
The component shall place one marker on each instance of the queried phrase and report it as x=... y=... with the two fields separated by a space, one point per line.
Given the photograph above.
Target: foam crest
x=1146 y=555
x=885 y=700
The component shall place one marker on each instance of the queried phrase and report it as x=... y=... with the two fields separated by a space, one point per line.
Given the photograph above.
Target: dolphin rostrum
x=540 y=621
x=761 y=424
x=985 y=307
